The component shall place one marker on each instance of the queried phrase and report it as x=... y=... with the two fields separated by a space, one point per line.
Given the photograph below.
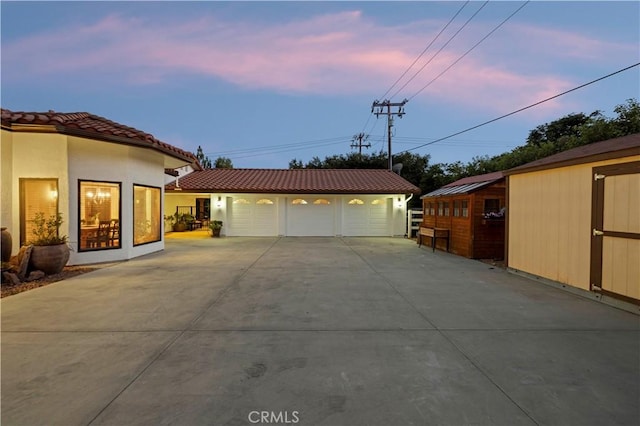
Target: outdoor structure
x=574 y=218
x=469 y=215
x=296 y=202
x=105 y=178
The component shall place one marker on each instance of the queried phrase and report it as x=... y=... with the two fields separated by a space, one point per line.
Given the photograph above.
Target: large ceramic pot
x=49 y=259
x=7 y=243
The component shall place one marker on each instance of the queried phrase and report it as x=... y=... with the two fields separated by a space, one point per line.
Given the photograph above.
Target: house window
x=322 y=201
x=377 y=202
x=36 y=196
x=491 y=205
x=465 y=208
x=146 y=214
x=264 y=201
x=298 y=201
x=99 y=213
x=356 y=201
x=241 y=201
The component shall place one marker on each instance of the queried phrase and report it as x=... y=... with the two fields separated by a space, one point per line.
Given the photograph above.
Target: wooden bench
x=434 y=234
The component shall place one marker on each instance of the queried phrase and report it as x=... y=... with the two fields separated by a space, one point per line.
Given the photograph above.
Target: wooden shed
x=574 y=218
x=471 y=212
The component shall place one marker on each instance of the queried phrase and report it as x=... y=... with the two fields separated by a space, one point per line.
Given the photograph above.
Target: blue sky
x=265 y=82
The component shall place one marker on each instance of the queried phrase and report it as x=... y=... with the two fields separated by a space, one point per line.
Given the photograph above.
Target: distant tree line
x=568 y=132
x=220 y=163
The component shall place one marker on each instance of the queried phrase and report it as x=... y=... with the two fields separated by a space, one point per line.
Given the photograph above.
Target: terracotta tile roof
x=612 y=148
x=466 y=185
x=88 y=125
x=327 y=181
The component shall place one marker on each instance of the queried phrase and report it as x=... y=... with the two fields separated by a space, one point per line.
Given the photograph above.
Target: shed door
x=615 y=238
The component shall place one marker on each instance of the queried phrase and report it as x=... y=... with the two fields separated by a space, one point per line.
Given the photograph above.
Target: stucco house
x=574 y=218
x=106 y=179
x=297 y=202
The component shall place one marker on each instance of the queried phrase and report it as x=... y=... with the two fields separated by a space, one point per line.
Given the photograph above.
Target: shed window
x=443 y=208
x=491 y=205
x=461 y=208
x=432 y=209
x=465 y=208
x=299 y=201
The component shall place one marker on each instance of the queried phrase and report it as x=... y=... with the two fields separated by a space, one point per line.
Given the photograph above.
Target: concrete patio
x=314 y=331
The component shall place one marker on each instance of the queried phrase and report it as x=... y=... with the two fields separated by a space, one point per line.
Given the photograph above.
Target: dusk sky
x=265 y=82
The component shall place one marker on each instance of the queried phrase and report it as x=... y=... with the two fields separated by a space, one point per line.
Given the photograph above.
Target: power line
x=424 y=51
x=472 y=48
x=524 y=108
x=277 y=147
x=286 y=150
x=441 y=49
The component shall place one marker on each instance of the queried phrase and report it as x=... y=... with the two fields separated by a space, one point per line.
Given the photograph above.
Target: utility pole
x=361 y=137
x=389 y=113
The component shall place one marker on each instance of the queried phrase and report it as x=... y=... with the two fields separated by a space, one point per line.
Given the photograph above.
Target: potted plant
x=50 y=250
x=215 y=226
x=180 y=221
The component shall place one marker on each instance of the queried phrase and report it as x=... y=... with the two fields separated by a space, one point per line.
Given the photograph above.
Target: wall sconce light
x=399 y=203
x=219 y=202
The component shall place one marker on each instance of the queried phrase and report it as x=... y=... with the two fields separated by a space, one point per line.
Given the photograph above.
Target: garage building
x=295 y=202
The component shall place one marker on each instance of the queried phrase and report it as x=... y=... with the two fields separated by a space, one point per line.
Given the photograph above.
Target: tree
x=223 y=163
x=205 y=162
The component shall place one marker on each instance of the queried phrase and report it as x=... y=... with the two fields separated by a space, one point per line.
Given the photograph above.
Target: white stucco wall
x=33 y=155
x=6 y=186
x=127 y=165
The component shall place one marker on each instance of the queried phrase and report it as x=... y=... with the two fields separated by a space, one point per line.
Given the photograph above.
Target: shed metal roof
x=466 y=185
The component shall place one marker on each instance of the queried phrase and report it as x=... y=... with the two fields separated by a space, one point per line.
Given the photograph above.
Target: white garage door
x=366 y=216
x=251 y=216
x=310 y=217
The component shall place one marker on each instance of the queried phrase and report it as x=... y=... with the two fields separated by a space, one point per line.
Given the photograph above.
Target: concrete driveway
x=314 y=331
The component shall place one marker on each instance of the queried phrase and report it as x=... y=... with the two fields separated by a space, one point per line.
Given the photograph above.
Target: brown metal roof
x=327 y=181
x=466 y=185
x=624 y=146
x=88 y=125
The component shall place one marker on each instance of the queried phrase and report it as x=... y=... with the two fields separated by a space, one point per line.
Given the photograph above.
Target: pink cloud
x=326 y=54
